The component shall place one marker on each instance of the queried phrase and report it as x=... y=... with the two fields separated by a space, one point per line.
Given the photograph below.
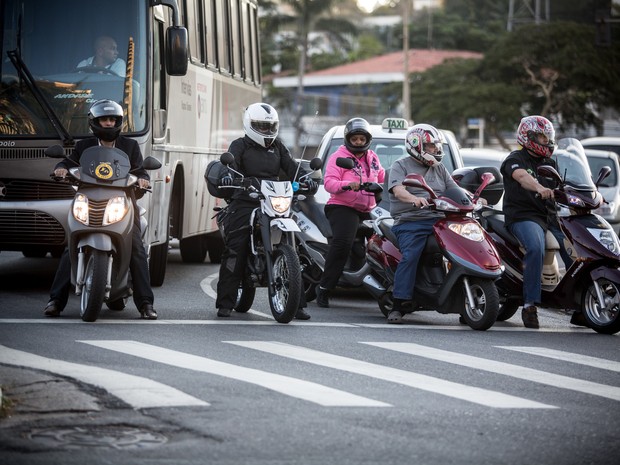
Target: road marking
x=134 y=390
x=234 y=322
x=515 y=371
x=427 y=383
x=567 y=357
x=293 y=387
x=207 y=288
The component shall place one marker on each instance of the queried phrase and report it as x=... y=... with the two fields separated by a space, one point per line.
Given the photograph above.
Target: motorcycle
x=458 y=266
x=99 y=225
x=315 y=233
x=591 y=285
x=272 y=261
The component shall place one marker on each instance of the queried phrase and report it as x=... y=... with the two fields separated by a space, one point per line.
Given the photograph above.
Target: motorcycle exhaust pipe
x=373 y=286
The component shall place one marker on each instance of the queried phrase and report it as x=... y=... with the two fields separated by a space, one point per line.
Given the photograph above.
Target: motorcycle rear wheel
x=245 y=298
x=484 y=314
x=310 y=275
x=118 y=304
x=508 y=309
x=604 y=320
x=285 y=291
x=95 y=278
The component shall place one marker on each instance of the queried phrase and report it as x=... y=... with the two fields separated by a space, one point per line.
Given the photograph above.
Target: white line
x=293 y=387
x=515 y=371
x=567 y=357
x=205 y=284
x=136 y=391
x=407 y=378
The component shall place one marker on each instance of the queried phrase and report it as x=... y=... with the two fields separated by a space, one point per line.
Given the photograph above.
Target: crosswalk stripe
x=515 y=371
x=134 y=390
x=567 y=357
x=306 y=390
x=427 y=383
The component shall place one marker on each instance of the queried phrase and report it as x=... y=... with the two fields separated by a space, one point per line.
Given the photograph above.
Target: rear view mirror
x=227 y=158
x=344 y=162
x=177 y=54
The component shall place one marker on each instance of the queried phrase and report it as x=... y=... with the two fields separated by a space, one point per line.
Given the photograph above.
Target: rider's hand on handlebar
x=544 y=192
x=226 y=181
x=143 y=183
x=60 y=173
x=354 y=186
x=420 y=202
x=312 y=186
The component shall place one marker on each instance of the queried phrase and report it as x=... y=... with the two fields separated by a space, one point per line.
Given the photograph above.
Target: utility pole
x=406 y=90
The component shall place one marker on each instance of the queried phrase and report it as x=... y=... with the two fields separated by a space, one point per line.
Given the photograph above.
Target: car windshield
x=390 y=150
x=572 y=164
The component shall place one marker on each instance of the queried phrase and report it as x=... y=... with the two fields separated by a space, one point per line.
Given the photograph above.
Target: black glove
x=226 y=180
x=312 y=186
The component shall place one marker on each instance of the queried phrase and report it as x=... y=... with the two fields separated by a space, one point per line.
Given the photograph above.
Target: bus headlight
x=80 y=208
x=471 y=231
x=280 y=204
x=115 y=210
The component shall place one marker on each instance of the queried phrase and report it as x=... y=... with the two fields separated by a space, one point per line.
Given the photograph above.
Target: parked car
x=388 y=141
x=478 y=156
x=610 y=186
x=602 y=143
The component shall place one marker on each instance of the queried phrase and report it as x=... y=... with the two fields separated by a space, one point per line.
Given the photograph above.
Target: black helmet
x=357 y=126
x=105 y=108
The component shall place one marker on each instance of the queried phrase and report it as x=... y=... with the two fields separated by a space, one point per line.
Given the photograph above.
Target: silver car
x=609 y=187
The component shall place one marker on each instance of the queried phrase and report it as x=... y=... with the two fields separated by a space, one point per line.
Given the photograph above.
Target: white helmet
x=260 y=122
x=424 y=144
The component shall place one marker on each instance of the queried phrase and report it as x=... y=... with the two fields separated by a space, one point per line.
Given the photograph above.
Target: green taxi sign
x=394 y=123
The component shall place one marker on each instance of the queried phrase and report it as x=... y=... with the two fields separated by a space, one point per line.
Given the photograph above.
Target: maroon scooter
x=591 y=285
x=457 y=269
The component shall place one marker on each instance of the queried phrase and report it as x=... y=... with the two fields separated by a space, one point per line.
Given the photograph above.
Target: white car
x=479 y=156
x=602 y=143
x=609 y=187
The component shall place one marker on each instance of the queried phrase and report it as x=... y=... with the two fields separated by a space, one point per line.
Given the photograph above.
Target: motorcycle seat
x=386 y=228
x=497 y=223
x=315 y=212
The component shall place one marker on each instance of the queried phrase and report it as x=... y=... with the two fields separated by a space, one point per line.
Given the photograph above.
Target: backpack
x=214 y=172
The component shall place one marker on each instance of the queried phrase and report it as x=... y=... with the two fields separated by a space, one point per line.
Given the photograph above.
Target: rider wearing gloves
x=345 y=209
x=258 y=155
x=105 y=119
x=412 y=222
x=527 y=216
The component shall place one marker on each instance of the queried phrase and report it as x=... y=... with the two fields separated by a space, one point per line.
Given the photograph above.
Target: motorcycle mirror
x=316 y=164
x=549 y=172
x=151 y=163
x=344 y=162
x=605 y=171
x=227 y=158
x=487 y=178
x=417 y=180
x=55 y=151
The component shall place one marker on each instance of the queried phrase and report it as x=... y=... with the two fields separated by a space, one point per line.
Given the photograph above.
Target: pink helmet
x=527 y=133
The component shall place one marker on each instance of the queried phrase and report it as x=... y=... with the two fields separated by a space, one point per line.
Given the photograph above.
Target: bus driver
x=106 y=56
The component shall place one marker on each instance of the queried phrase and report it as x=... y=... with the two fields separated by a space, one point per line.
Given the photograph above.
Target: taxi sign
x=394 y=123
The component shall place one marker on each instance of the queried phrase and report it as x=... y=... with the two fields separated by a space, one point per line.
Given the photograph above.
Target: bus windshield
x=57 y=58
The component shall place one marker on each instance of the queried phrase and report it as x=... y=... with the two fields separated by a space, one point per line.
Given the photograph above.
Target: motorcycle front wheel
x=484 y=313
x=95 y=278
x=603 y=318
x=245 y=298
x=285 y=290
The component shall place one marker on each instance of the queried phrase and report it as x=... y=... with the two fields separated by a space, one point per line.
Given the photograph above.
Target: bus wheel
x=193 y=249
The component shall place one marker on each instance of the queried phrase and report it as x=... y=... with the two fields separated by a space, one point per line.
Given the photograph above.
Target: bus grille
x=30 y=227
x=27 y=154
x=18 y=190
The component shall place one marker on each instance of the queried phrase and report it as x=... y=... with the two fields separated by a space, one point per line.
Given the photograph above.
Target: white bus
x=183 y=90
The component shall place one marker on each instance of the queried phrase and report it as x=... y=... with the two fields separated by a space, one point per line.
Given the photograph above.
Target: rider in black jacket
x=260 y=155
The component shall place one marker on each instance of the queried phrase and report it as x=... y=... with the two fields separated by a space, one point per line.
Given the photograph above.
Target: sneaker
x=224 y=312
x=578 y=319
x=302 y=314
x=147 y=312
x=322 y=297
x=395 y=317
x=52 y=309
x=529 y=315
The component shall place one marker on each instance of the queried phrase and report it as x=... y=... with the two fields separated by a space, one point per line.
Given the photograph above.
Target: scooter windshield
x=573 y=165
x=104 y=165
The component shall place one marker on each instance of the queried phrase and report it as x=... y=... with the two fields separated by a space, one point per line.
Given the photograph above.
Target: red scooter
x=458 y=266
x=591 y=285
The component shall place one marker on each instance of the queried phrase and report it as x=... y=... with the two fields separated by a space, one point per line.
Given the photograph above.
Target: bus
x=183 y=71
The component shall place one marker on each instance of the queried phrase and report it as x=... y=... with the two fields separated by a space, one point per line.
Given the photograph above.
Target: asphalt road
x=342 y=388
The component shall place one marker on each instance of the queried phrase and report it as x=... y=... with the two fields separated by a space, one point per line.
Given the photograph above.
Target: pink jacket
x=336 y=178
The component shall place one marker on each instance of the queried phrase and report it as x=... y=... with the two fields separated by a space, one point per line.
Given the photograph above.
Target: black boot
x=322 y=297
x=396 y=315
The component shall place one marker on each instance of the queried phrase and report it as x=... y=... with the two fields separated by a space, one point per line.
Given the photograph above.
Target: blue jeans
x=412 y=237
x=532 y=238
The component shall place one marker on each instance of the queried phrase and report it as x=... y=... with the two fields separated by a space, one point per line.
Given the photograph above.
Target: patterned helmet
x=424 y=144
x=528 y=135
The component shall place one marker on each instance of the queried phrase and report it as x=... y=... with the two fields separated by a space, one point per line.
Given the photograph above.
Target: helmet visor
x=267 y=128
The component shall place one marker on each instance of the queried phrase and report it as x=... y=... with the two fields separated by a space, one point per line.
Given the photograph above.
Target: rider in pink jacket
x=345 y=209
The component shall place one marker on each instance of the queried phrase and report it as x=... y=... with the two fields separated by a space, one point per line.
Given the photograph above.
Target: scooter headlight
x=80 y=208
x=471 y=231
x=280 y=204
x=608 y=238
x=115 y=210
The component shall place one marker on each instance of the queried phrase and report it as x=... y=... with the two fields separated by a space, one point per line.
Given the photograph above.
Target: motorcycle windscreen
x=105 y=165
